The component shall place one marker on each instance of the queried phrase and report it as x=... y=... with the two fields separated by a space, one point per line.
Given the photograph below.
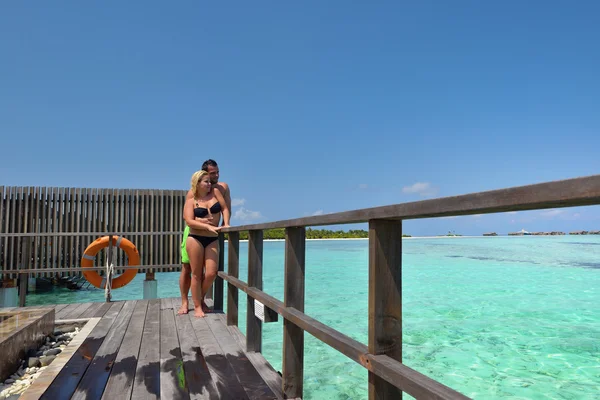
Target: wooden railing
x=382 y=356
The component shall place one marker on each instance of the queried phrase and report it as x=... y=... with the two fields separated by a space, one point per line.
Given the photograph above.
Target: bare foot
x=204 y=307
x=183 y=309
x=198 y=312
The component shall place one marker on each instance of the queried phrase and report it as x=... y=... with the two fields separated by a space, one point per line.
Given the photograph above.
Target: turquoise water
x=494 y=317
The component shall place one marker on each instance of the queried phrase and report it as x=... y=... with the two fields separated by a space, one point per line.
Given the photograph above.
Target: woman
x=202 y=243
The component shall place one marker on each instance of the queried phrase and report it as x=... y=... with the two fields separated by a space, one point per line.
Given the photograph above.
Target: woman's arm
x=190 y=220
x=224 y=207
x=190 y=196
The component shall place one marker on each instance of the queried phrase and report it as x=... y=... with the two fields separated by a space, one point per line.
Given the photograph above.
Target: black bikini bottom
x=204 y=240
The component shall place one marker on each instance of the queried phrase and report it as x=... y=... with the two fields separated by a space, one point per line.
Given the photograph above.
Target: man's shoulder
x=223 y=186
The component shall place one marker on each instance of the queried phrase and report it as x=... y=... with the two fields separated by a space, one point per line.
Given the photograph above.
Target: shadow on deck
x=143 y=349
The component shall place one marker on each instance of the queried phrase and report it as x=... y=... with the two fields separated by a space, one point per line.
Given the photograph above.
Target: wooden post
x=9 y=296
x=110 y=250
x=109 y=277
x=255 y=275
x=385 y=300
x=23 y=289
x=150 y=285
x=233 y=264
x=24 y=278
x=293 y=336
x=218 y=297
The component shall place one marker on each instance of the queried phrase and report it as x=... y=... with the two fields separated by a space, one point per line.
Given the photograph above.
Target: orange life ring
x=89 y=255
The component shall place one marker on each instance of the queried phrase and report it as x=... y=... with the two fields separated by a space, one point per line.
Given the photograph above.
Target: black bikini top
x=200 y=212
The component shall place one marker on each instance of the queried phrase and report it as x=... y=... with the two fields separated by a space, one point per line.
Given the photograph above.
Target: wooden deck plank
x=120 y=382
x=166 y=303
x=78 y=311
x=142 y=350
x=94 y=380
x=199 y=382
x=147 y=374
x=102 y=310
x=39 y=385
x=90 y=310
x=173 y=384
x=59 y=307
x=228 y=386
x=265 y=370
x=96 y=311
x=38 y=307
x=67 y=310
x=250 y=379
x=69 y=377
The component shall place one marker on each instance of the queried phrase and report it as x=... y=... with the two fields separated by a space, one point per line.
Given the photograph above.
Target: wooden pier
x=142 y=349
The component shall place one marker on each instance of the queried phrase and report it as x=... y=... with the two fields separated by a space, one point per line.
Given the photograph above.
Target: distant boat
x=524 y=232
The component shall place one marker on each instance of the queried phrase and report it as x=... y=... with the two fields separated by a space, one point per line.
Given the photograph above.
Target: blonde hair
x=196 y=178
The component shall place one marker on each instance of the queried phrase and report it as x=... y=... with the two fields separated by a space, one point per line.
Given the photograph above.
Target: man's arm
x=227 y=196
x=225 y=209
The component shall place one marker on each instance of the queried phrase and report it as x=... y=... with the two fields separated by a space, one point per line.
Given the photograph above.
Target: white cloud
x=421 y=188
x=476 y=216
x=363 y=186
x=243 y=214
x=318 y=212
x=551 y=213
x=511 y=212
x=237 y=202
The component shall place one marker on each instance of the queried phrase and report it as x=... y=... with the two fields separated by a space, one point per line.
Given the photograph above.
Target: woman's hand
x=213 y=229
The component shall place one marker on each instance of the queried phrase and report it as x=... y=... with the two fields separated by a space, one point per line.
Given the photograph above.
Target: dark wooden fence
x=382 y=356
x=62 y=222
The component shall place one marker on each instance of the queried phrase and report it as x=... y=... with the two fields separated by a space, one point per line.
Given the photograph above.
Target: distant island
x=525 y=233
x=451 y=233
x=553 y=233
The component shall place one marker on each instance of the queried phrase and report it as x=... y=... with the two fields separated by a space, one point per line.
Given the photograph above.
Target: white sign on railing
x=259 y=310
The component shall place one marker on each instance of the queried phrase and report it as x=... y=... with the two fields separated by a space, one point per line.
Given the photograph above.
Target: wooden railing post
x=255 y=279
x=24 y=277
x=293 y=336
x=233 y=269
x=385 y=300
x=218 y=296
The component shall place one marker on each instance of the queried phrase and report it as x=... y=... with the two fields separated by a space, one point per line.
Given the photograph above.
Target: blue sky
x=309 y=107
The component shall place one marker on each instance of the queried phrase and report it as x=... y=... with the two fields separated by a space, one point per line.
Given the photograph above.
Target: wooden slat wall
x=3 y=242
x=53 y=209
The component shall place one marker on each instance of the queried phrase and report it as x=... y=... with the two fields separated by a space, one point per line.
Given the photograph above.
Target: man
x=185 y=278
